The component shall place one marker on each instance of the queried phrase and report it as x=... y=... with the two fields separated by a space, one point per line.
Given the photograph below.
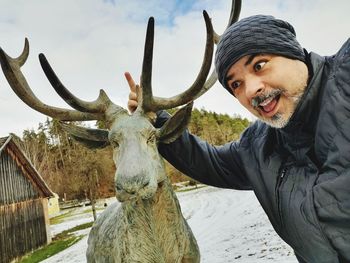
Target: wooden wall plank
x=22 y=229
x=15 y=187
x=22 y=217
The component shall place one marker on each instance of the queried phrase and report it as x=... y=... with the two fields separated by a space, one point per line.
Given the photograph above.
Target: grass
x=190 y=189
x=68 y=232
x=89 y=210
x=58 y=219
x=60 y=242
x=51 y=249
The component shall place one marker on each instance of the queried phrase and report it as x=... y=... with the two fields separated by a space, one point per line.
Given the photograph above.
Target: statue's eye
x=115 y=144
x=152 y=138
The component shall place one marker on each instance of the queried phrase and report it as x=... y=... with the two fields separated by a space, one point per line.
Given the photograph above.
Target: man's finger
x=132 y=96
x=130 y=81
x=132 y=105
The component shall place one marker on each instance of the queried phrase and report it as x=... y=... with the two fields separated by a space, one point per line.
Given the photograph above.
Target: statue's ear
x=175 y=125
x=91 y=138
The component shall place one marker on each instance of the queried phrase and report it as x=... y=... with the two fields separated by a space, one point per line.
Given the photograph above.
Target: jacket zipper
x=278 y=185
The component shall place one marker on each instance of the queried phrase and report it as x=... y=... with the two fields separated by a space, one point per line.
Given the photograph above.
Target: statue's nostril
x=118 y=187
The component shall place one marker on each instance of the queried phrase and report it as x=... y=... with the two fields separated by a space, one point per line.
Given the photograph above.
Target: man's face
x=269 y=86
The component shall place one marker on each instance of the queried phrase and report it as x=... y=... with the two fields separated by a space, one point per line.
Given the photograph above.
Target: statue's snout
x=134 y=187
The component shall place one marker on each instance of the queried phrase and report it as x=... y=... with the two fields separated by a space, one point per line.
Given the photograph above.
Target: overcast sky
x=91 y=43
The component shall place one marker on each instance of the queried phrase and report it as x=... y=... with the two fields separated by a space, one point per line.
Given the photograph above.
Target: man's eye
x=259 y=65
x=235 y=85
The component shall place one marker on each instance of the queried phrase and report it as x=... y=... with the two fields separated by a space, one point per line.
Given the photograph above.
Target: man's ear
x=91 y=138
x=175 y=125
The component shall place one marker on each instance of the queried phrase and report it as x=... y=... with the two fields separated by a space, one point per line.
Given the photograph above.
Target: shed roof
x=9 y=143
x=3 y=140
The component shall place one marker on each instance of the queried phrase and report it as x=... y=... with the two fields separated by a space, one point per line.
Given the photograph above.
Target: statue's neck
x=157 y=224
x=163 y=208
x=166 y=207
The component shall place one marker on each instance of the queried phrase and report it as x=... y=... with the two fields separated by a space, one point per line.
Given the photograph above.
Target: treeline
x=75 y=172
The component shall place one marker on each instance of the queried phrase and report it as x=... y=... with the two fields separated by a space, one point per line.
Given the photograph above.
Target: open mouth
x=267 y=104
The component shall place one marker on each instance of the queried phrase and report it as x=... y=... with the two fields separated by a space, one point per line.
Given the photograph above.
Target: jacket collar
x=305 y=116
x=298 y=136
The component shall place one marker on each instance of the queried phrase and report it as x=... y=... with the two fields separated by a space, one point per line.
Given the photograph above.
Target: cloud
x=91 y=43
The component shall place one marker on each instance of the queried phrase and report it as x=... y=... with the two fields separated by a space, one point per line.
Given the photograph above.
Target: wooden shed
x=24 y=221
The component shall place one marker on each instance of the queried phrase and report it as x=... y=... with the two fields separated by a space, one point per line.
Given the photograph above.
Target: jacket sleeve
x=332 y=191
x=212 y=165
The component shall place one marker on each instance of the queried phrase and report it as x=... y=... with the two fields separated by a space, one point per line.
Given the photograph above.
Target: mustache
x=262 y=97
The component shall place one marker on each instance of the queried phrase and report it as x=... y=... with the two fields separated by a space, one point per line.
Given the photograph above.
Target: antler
x=234 y=15
x=84 y=110
x=12 y=70
x=97 y=110
x=200 y=86
x=151 y=103
x=100 y=105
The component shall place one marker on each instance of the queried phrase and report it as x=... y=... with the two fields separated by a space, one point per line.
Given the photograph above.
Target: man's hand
x=132 y=102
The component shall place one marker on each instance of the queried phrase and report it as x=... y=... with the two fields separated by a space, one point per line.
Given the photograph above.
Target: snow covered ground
x=230 y=226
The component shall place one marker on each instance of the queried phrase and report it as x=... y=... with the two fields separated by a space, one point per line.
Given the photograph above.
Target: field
x=230 y=226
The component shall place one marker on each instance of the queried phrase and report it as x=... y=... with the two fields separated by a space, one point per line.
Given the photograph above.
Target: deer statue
x=148 y=225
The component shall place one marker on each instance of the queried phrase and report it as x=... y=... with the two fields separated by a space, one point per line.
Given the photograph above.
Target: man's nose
x=254 y=86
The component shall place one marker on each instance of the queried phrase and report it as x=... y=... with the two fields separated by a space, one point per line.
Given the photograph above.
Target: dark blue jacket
x=300 y=173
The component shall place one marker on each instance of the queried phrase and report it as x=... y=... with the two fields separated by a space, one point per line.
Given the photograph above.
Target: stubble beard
x=280 y=120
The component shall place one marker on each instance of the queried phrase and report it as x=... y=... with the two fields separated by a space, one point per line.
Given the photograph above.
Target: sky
x=91 y=43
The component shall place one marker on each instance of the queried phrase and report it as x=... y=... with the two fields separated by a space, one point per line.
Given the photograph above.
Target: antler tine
x=208 y=84
x=11 y=68
x=98 y=106
x=234 y=15
x=235 y=12
x=146 y=98
x=25 y=53
x=151 y=103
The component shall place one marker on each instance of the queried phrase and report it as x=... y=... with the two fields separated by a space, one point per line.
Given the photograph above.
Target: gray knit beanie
x=255 y=35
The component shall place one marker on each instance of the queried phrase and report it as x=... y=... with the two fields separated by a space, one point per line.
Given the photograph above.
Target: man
x=296 y=156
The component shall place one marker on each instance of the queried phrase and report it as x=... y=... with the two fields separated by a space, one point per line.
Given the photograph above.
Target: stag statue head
x=134 y=139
